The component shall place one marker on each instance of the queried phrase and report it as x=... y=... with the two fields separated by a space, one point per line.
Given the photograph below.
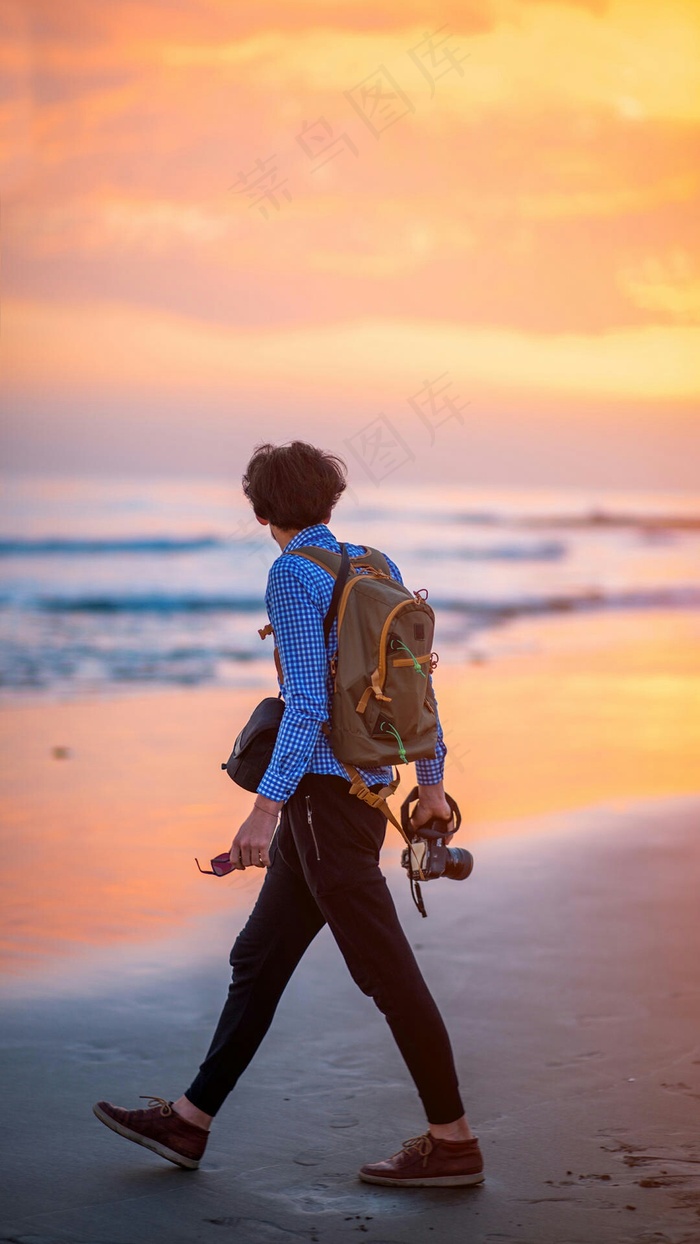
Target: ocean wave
x=545 y=550
x=607 y=519
x=86 y=664
x=594 y=518
x=84 y=547
x=95 y=646
x=149 y=603
x=678 y=595
x=446 y=517
x=68 y=546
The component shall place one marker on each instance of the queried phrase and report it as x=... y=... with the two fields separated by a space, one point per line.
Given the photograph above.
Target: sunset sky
x=472 y=226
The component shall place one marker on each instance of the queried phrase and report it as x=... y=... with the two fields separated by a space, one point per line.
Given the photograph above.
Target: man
x=322 y=864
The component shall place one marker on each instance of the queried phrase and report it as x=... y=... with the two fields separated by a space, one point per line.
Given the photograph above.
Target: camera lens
x=459 y=863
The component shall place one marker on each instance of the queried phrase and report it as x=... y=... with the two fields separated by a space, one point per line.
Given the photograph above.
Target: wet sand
x=566 y=967
x=99 y=843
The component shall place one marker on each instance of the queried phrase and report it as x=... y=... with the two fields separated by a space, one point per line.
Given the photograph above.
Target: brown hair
x=293 y=486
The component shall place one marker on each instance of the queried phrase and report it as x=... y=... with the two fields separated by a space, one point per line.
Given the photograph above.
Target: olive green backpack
x=383 y=706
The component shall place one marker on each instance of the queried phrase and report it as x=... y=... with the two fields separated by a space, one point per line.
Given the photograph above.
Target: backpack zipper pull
x=398 y=643
x=402 y=751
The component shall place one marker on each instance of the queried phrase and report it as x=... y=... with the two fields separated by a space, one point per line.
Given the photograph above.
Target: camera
x=427 y=859
x=428 y=856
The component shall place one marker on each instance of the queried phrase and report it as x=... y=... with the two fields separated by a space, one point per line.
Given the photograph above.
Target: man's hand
x=251 y=846
x=431 y=804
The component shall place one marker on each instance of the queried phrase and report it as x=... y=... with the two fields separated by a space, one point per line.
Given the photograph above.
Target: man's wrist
x=433 y=792
x=272 y=806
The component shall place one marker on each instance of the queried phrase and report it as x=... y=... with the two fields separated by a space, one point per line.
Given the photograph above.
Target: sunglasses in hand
x=220 y=866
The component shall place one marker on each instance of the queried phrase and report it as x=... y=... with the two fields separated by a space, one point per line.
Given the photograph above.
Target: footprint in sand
x=681 y=1087
x=257 y=1231
x=88 y=1052
x=560 y=1063
x=309 y=1157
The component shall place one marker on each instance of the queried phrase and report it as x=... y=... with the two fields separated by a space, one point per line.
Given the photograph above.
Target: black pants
x=325 y=868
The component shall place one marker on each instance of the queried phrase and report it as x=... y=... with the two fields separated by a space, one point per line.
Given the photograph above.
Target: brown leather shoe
x=159 y=1128
x=425 y=1162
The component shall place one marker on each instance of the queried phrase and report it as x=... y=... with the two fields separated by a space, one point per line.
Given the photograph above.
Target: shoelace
x=424 y=1144
x=165 y=1106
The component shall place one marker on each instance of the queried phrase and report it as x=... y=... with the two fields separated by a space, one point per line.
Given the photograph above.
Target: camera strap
x=417 y=896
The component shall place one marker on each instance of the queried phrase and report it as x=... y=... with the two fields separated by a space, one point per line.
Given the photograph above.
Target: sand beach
x=566 y=966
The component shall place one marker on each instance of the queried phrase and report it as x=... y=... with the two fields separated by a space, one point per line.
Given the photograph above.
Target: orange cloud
x=635 y=58
x=122 y=350
x=669 y=284
x=521 y=224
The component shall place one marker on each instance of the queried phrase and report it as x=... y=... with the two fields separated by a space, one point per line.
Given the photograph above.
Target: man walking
x=322 y=864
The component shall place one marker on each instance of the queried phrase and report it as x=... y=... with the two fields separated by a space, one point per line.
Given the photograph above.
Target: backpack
x=382 y=708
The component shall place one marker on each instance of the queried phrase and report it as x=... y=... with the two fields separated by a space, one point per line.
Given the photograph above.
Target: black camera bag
x=255 y=744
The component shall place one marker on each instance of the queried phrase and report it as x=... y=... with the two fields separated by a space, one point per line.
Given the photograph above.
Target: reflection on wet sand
x=108 y=801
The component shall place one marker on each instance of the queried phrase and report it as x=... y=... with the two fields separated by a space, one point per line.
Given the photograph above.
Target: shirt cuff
x=275 y=788
x=430 y=772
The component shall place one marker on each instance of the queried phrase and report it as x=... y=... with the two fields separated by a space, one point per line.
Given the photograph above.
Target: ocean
x=108 y=585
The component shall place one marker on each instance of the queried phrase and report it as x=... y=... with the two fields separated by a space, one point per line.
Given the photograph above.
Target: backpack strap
x=341 y=576
x=330 y=561
x=376 y=799
x=339 y=572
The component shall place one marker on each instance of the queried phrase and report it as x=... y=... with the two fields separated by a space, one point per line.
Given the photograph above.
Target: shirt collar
x=319 y=535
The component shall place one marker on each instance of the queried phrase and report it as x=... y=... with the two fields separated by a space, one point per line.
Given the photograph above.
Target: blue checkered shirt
x=297 y=598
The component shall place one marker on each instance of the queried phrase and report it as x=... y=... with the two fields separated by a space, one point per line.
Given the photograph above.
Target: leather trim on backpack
x=330 y=560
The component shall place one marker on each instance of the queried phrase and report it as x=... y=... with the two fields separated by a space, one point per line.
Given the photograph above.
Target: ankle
x=459 y=1130
x=192 y=1114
